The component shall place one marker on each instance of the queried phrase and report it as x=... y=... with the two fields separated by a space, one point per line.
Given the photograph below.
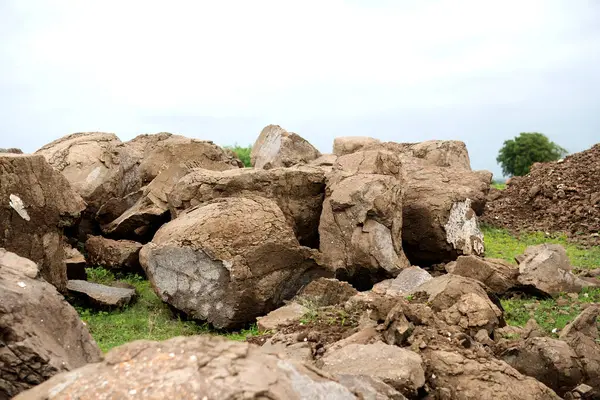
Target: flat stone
x=283 y=316
x=102 y=295
x=409 y=279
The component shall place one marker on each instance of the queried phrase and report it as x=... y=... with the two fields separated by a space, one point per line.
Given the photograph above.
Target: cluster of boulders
x=300 y=231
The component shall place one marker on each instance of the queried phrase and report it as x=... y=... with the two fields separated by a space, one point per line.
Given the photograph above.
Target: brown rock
x=298 y=191
x=228 y=261
x=327 y=292
x=41 y=334
x=187 y=368
x=370 y=388
x=287 y=346
x=409 y=279
x=12 y=150
x=351 y=144
x=548 y=360
x=496 y=274
x=113 y=254
x=75 y=262
x=472 y=312
x=101 y=295
x=36 y=203
x=275 y=147
x=283 y=316
x=400 y=368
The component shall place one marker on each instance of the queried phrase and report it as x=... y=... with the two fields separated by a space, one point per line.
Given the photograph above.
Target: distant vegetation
x=518 y=155
x=243 y=153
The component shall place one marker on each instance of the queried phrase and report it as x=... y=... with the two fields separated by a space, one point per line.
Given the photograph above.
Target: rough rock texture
x=102 y=295
x=228 y=261
x=582 y=335
x=282 y=316
x=370 y=388
x=496 y=274
x=36 y=203
x=440 y=210
x=298 y=191
x=327 y=292
x=546 y=267
x=351 y=144
x=548 y=360
x=560 y=196
x=113 y=254
x=409 y=279
x=40 y=333
x=186 y=368
x=276 y=147
x=96 y=164
x=400 y=368
x=289 y=346
x=12 y=150
x=361 y=223
x=456 y=376
x=75 y=263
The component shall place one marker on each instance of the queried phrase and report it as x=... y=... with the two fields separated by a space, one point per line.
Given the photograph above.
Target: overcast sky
x=472 y=70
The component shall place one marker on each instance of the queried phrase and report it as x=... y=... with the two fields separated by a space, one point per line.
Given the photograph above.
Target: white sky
x=473 y=70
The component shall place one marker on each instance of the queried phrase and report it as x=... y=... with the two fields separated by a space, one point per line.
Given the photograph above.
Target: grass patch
x=499 y=243
x=148 y=318
x=243 y=153
x=499 y=185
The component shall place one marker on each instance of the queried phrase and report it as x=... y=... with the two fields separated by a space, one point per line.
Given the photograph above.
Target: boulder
x=409 y=279
x=496 y=274
x=361 y=222
x=12 y=150
x=101 y=295
x=369 y=388
x=325 y=292
x=455 y=376
x=283 y=316
x=548 y=360
x=440 y=210
x=120 y=255
x=186 y=368
x=351 y=144
x=325 y=161
x=546 y=267
x=582 y=336
x=298 y=191
x=41 y=335
x=228 y=261
x=75 y=262
x=36 y=203
x=276 y=147
x=400 y=368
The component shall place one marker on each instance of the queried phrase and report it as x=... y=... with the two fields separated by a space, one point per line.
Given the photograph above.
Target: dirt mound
x=560 y=196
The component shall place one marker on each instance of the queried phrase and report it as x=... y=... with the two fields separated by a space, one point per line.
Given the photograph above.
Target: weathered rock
x=370 y=388
x=186 y=368
x=351 y=144
x=409 y=279
x=365 y=335
x=113 y=254
x=12 y=150
x=397 y=327
x=289 y=347
x=440 y=210
x=102 y=295
x=276 y=147
x=582 y=335
x=228 y=261
x=96 y=164
x=455 y=376
x=298 y=191
x=327 y=292
x=400 y=368
x=325 y=160
x=444 y=291
x=548 y=360
x=41 y=335
x=36 y=203
x=75 y=263
x=546 y=267
x=496 y=274
x=283 y=316
x=377 y=304
x=361 y=223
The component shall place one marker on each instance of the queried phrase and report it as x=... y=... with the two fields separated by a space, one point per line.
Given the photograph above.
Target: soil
x=555 y=197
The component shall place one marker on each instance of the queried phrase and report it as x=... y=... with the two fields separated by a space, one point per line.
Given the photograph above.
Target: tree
x=518 y=155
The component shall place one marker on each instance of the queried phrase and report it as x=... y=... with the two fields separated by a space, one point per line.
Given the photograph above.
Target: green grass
x=499 y=243
x=243 y=153
x=148 y=318
x=499 y=185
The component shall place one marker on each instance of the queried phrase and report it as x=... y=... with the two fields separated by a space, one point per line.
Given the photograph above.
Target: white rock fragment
x=17 y=204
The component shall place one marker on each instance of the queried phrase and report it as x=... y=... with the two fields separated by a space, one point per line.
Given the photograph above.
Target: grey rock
x=407 y=280
x=102 y=295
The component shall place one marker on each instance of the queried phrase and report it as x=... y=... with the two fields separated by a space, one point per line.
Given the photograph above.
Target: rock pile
x=561 y=196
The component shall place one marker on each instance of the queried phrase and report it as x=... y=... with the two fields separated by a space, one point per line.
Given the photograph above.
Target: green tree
x=243 y=153
x=518 y=155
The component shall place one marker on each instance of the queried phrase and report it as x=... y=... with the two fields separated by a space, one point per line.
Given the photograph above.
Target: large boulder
x=120 y=255
x=41 y=335
x=276 y=147
x=547 y=268
x=191 y=368
x=361 y=222
x=228 y=261
x=351 y=144
x=298 y=191
x=36 y=203
x=496 y=274
x=400 y=368
x=440 y=210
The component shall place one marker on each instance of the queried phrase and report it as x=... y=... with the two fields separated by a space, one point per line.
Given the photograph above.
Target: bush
x=518 y=155
x=243 y=153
